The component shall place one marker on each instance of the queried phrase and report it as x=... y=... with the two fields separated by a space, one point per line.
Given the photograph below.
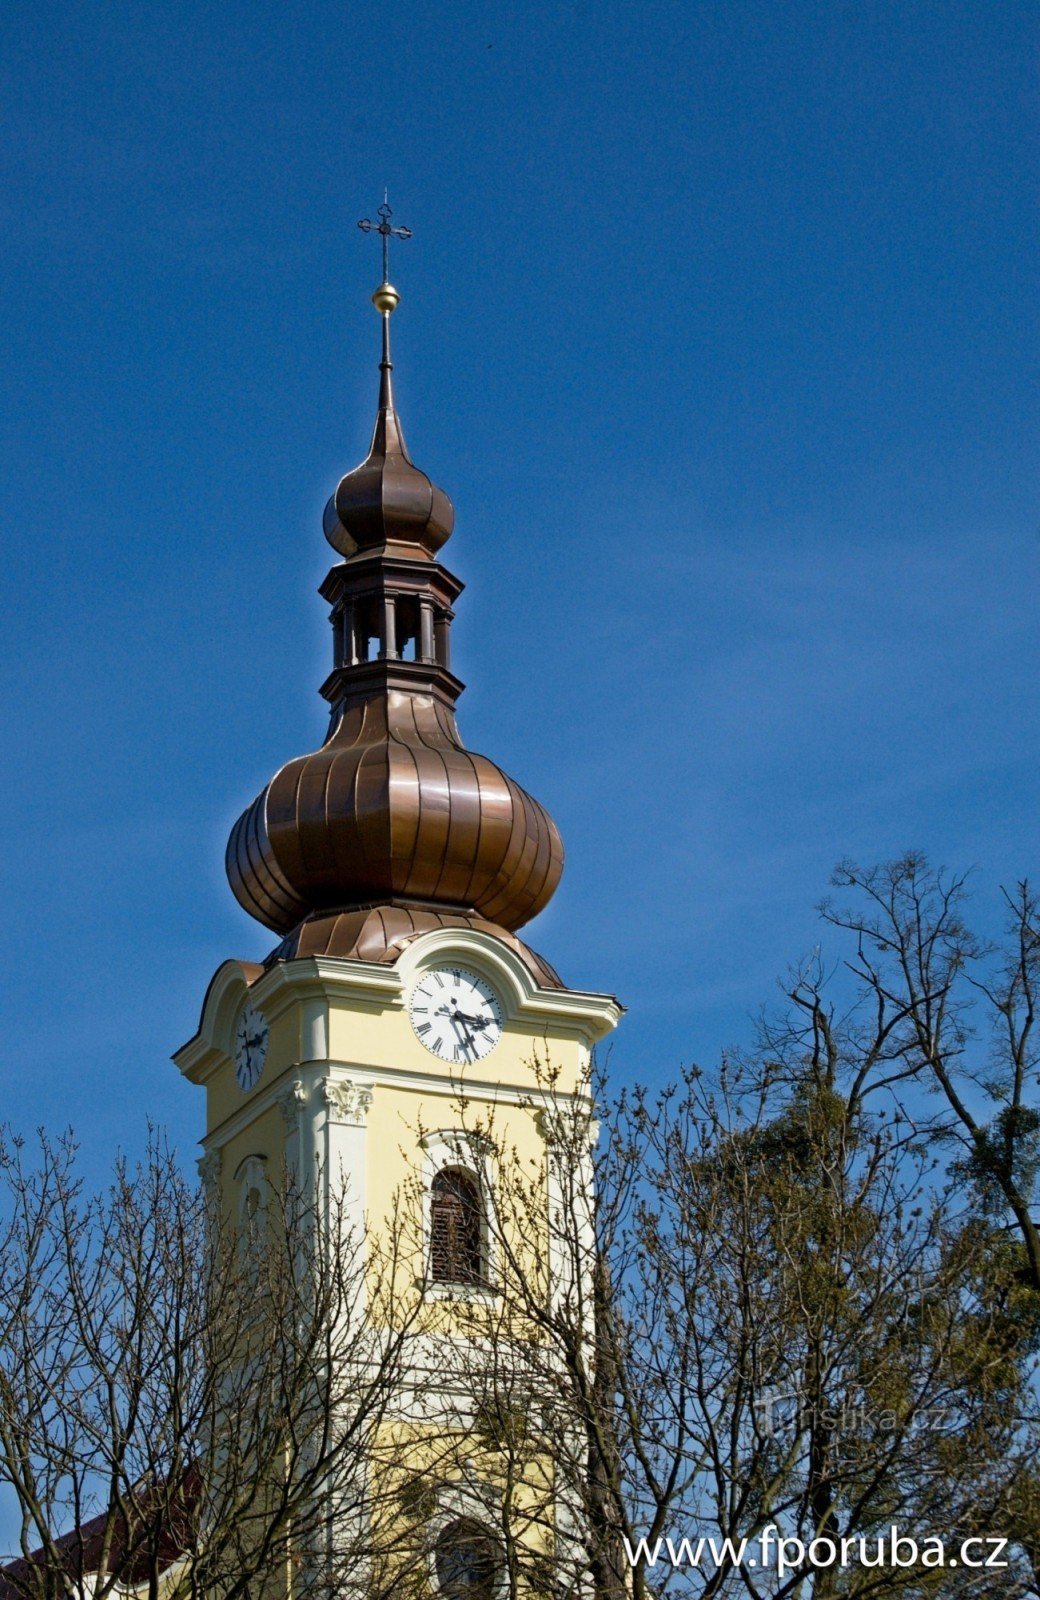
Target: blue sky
x=719 y=327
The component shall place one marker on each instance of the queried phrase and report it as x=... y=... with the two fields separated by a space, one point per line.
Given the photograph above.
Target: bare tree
x=793 y=1299
x=813 y=1341
x=181 y=1397
x=760 y=1308
x=938 y=1007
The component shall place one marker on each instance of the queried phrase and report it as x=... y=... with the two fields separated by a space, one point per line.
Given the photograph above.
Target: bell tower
x=395 y=866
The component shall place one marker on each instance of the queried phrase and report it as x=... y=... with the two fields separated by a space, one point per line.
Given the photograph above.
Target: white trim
x=251 y=1177
x=366 y=1077
x=339 y=1113
x=591 y=1016
x=209 y=1165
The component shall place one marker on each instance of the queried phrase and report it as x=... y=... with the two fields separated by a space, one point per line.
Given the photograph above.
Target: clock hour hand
x=476 y=1022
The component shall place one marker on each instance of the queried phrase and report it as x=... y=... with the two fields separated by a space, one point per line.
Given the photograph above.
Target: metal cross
x=383 y=227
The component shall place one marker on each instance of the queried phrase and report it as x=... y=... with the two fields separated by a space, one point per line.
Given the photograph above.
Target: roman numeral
x=424 y=1028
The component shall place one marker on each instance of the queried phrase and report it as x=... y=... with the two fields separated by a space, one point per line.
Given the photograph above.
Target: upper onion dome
x=386 y=502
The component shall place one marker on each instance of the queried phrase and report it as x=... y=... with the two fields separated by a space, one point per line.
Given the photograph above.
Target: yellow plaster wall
x=480 y=1098
x=383 y=1041
x=265 y=1136
x=414 y=1093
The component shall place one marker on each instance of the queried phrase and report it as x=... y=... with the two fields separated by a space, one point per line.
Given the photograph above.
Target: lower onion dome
x=393 y=810
x=381 y=933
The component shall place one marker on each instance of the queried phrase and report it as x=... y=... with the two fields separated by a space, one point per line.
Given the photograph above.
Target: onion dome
x=386 y=502
x=393 y=811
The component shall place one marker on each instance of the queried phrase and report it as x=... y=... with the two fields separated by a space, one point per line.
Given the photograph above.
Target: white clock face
x=456 y=1014
x=250 y=1047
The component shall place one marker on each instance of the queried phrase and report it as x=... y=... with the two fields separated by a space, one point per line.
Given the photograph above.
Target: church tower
x=396 y=868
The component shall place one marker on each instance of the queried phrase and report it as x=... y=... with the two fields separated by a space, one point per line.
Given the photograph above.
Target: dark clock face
x=456 y=1014
x=250 y=1047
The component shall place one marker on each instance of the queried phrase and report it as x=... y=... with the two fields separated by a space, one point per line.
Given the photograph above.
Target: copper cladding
x=381 y=933
x=393 y=810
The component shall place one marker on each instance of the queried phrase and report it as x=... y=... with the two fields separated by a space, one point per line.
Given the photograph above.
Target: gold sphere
x=385 y=298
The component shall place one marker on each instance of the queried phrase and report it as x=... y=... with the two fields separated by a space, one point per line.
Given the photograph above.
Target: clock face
x=250 y=1047
x=456 y=1014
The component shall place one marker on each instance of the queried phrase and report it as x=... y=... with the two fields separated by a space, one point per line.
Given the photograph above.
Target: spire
x=393 y=819
x=388 y=434
x=387 y=503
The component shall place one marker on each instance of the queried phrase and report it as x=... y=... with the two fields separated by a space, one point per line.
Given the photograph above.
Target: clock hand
x=452 y=1013
x=461 y=1031
x=455 y=1017
x=478 y=1022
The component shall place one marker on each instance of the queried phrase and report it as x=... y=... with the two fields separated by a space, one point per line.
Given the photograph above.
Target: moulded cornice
x=301 y=1085
x=364 y=983
x=214 y=1041
x=369 y=986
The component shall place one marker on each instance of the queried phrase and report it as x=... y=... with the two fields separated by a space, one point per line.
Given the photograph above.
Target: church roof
x=381 y=933
x=154 y=1544
x=393 y=810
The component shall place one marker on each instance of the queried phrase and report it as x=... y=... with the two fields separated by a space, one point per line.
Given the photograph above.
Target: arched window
x=253 y=1187
x=468 y=1561
x=456 y=1228
x=251 y=1177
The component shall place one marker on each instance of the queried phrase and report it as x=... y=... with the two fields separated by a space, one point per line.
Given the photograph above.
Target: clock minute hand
x=458 y=1018
x=470 y=1042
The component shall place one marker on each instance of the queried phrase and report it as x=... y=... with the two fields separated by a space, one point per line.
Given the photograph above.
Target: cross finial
x=387 y=232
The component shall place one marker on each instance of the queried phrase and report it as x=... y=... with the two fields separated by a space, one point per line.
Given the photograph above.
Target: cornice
x=301 y=1090
x=369 y=986
x=576 y=1013
x=375 y=567
x=347 y=685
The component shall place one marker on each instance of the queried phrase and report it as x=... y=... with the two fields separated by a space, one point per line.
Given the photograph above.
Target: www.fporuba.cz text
x=771 y=1550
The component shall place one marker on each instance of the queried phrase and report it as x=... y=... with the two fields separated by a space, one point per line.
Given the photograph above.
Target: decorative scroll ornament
x=291 y=1102
x=347 y=1101
x=209 y=1167
x=560 y=1129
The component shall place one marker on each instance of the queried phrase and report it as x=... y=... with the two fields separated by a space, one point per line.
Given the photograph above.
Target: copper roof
x=393 y=809
x=386 y=502
x=381 y=933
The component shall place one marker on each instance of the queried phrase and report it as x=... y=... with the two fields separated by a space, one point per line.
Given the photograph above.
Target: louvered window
x=456 y=1253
